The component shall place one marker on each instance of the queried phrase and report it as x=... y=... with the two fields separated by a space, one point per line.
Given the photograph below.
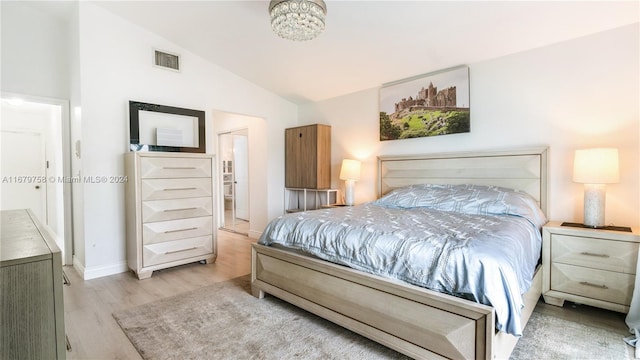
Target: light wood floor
x=236 y=225
x=94 y=334
x=90 y=327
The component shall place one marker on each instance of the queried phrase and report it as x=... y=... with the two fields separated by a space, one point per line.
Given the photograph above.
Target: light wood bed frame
x=412 y=320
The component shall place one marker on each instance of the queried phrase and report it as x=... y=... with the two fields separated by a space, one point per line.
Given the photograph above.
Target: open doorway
x=252 y=130
x=234 y=162
x=34 y=163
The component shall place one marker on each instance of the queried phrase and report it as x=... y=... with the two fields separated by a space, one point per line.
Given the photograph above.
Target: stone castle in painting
x=428 y=98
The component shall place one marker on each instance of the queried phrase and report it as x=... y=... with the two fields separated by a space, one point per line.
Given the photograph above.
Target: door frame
x=66 y=163
x=238 y=138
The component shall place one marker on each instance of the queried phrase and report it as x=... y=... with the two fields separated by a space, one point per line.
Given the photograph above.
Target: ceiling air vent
x=167 y=60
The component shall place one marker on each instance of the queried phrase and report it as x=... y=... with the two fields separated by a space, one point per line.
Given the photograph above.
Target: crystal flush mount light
x=298 y=20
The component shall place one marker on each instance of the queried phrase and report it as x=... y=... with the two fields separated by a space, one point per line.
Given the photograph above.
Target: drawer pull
x=183 y=209
x=586 y=283
x=177 y=251
x=592 y=254
x=179 y=230
x=179 y=167
x=176 y=189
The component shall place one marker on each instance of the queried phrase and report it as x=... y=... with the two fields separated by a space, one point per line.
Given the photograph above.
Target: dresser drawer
x=160 y=253
x=174 y=167
x=162 y=231
x=591 y=283
x=620 y=256
x=162 y=210
x=163 y=189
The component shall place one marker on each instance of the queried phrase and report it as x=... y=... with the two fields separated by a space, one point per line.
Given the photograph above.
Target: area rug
x=548 y=337
x=224 y=321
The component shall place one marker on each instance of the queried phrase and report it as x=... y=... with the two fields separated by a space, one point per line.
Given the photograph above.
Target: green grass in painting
x=429 y=123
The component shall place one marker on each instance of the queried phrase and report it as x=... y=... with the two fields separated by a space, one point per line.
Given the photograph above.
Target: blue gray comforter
x=485 y=255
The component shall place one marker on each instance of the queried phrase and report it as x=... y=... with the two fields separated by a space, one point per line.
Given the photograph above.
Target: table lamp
x=350 y=173
x=595 y=168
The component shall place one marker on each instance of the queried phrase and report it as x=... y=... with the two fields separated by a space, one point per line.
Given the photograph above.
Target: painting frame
x=426 y=105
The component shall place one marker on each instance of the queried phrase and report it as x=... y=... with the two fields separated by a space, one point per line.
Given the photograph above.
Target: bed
x=411 y=319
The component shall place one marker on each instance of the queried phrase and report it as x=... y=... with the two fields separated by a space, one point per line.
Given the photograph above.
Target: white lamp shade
x=596 y=166
x=350 y=170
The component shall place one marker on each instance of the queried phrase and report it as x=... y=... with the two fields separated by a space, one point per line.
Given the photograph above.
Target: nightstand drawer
x=618 y=256
x=591 y=283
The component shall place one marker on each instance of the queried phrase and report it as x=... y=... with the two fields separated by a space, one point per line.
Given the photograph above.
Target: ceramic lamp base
x=349 y=196
x=594 y=201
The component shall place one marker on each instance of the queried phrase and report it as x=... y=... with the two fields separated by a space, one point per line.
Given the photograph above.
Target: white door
x=241 y=174
x=23 y=172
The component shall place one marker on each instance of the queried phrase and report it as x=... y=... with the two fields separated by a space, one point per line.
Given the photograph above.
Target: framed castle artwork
x=426 y=105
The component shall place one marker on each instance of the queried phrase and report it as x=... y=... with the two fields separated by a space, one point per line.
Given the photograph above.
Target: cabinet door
x=28 y=311
x=301 y=157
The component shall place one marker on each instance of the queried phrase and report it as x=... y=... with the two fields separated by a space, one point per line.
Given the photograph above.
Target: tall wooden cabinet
x=31 y=299
x=170 y=210
x=308 y=157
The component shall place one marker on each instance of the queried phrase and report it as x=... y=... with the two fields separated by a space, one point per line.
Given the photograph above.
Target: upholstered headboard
x=522 y=169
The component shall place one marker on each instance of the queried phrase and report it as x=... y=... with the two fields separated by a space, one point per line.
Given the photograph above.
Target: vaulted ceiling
x=368 y=43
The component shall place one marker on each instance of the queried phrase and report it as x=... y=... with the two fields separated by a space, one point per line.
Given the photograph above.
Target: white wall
x=576 y=94
x=115 y=59
x=34 y=51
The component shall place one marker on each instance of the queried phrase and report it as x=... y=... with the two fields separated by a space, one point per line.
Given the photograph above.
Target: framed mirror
x=155 y=127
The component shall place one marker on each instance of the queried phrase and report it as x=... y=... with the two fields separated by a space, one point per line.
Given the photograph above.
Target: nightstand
x=589 y=266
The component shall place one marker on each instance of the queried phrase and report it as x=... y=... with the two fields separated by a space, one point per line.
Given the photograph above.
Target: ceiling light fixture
x=298 y=20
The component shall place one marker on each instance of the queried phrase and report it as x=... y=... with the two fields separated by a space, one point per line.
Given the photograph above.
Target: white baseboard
x=78 y=266
x=99 y=271
x=255 y=234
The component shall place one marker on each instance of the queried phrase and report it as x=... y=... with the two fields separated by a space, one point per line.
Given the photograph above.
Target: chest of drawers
x=170 y=210
x=587 y=266
x=31 y=296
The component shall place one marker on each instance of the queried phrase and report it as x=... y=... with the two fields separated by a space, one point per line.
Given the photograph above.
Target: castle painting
x=432 y=104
